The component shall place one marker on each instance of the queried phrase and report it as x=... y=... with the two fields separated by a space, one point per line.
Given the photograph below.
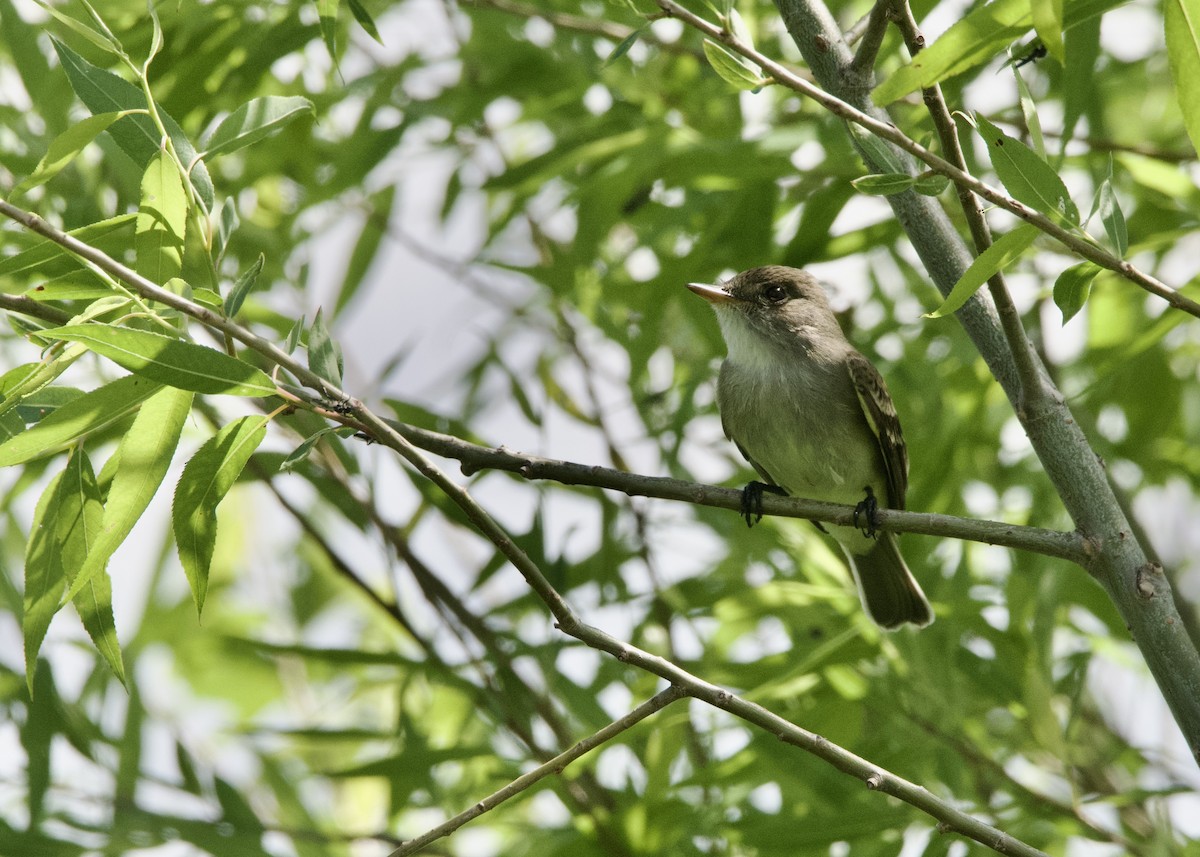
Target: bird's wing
x=881 y=415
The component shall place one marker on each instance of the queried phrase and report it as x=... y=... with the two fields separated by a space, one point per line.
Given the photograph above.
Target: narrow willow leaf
x=327 y=12
x=45 y=575
x=624 y=45
x=883 y=185
x=79 y=525
x=1048 y=21
x=304 y=450
x=102 y=91
x=293 y=337
x=1072 y=288
x=227 y=224
x=1007 y=248
x=324 y=355
x=156 y=37
x=360 y=13
x=75 y=25
x=243 y=286
x=45 y=251
x=931 y=184
x=66 y=147
x=255 y=120
x=170 y=361
x=142 y=460
x=90 y=413
x=1111 y=215
x=731 y=68
x=205 y=481
x=1026 y=176
x=26 y=380
x=1029 y=111
x=1182 y=24
x=38 y=405
x=161 y=220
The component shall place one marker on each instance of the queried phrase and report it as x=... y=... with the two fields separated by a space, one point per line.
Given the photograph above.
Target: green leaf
x=1072 y=288
x=156 y=35
x=90 y=413
x=883 y=185
x=1007 y=248
x=1026 y=176
x=931 y=184
x=170 y=361
x=327 y=13
x=205 y=481
x=294 y=334
x=302 y=452
x=364 y=19
x=324 y=355
x=141 y=462
x=243 y=286
x=102 y=91
x=161 y=221
x=66 y=147
x=1029 y=111
x=227 y=224
x=79 y=526
x=1048 y=21
x=38 y=405
x=976 y=39
x=255 y=120
x=45 y=574
x=730 y=67
x=45 y=251
x=103 y=42
x=367 y=246
x=1181 y=19
x=624 y=45
x=1111 y=215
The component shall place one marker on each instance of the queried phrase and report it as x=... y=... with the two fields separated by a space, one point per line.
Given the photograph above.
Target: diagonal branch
x=554 y=766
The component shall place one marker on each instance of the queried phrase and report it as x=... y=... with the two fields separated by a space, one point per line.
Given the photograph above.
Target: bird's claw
x=752 y=500
x=868 y=509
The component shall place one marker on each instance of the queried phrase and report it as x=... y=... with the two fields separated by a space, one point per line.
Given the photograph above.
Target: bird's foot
x=752 y=505
x=868 y=509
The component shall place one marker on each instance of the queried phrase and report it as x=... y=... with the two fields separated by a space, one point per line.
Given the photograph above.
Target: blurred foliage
x=366 y=664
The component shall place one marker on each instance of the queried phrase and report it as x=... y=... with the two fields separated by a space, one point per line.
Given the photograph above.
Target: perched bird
x=814 y=418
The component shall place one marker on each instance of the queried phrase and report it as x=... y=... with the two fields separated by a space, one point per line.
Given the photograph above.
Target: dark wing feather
x=881 y=415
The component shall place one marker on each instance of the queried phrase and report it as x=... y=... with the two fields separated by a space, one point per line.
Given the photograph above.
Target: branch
x=553 y=766
x=887 y=131
x=473 y=457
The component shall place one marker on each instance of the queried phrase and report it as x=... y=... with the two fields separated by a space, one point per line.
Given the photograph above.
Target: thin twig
x=553 y=766
x=887 y=131
x=863 y=65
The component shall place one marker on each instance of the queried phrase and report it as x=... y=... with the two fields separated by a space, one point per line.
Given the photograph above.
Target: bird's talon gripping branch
x=752 y=504
x=868 y=509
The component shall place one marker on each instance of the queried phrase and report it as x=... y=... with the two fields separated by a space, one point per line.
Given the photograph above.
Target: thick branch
x=554 y=766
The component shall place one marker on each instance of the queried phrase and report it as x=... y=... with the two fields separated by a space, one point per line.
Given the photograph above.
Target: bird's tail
x=890 y=594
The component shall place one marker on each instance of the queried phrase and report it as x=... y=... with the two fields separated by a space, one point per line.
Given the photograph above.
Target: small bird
x=814 y=418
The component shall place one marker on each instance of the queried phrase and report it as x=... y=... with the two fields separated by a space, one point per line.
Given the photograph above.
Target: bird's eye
x=776 y=294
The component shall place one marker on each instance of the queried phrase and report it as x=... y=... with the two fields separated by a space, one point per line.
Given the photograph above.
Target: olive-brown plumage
x=814 y=418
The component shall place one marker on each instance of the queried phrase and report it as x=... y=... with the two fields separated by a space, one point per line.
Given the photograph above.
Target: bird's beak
x=712 y=294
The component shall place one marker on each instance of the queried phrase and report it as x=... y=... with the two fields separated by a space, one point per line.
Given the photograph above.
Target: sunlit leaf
x=255 y=120
x=206 y=479
x=170 y=361
x=1000 y=254
x=1072 y=288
